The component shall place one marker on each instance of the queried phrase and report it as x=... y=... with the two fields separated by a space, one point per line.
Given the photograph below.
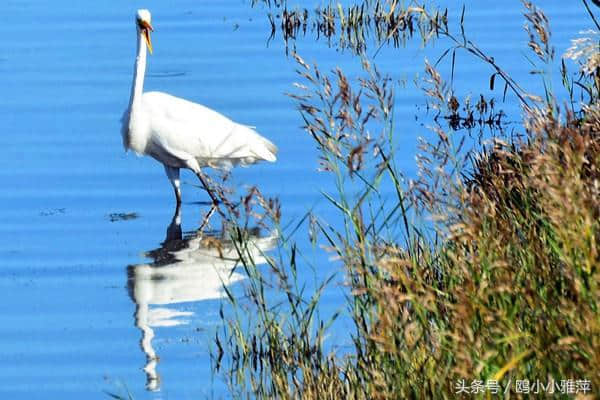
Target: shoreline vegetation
x=478 y=279
x=481 y=277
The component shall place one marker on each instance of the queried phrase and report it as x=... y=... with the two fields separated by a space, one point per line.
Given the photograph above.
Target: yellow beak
x=146 y=29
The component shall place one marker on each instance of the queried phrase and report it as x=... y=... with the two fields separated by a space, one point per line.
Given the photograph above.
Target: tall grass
x=481 y=274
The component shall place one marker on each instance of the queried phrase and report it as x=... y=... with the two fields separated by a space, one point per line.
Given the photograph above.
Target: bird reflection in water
x=190 y=267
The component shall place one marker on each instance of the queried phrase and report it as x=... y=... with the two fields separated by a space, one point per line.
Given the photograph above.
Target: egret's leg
x=215 y=201
x=173 y=175
x=174 y=229
x=195 y=166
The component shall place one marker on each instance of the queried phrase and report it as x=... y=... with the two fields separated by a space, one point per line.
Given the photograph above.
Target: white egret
x=182 y=134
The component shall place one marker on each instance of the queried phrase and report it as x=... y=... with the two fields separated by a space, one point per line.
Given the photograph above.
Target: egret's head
x=143 y=20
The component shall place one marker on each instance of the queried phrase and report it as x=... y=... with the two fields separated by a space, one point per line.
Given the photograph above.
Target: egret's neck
x=137 y=86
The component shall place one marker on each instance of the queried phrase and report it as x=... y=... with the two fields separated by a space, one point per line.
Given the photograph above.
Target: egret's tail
x=263 y=148
x=271 y=151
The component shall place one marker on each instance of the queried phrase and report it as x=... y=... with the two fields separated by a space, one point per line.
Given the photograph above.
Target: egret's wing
x=185 y=130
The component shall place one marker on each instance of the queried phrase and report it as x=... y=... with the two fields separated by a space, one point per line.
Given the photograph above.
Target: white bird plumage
x=182 y=134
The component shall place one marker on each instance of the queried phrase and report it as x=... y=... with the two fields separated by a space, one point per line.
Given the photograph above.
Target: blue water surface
x=84 y=309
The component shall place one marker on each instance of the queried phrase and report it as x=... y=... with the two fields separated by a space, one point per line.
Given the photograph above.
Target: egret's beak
x=146 y=29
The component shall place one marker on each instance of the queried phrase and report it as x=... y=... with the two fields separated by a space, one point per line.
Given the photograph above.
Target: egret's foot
x=216 y=207
x=215 y=199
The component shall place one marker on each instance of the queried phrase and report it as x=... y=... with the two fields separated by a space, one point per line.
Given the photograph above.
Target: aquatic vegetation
x=356 y=27
x=480 y=274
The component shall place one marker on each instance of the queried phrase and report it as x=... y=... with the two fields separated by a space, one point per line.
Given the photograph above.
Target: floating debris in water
x=113 y=217
x=167 y=74
x=48 y=213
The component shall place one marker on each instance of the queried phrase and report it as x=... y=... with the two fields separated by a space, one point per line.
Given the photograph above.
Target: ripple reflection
x=186 y=268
